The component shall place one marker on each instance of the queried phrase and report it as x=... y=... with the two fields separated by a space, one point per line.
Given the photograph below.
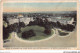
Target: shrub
x=28 y=34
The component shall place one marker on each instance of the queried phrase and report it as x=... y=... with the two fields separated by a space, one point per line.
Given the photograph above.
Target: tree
x=5 y=33
x=58 y=24
x=47 y=31
x=28 y=34
x=21 y=24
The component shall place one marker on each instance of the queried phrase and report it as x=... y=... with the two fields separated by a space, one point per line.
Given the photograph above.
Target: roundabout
x=39 y=34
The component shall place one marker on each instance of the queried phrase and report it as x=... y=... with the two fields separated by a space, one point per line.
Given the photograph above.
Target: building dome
x=20 y=15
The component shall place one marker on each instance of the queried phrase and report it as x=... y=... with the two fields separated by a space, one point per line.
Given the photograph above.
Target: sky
x=39 y=7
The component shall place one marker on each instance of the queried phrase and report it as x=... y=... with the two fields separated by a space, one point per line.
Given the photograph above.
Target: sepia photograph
x=47 y=24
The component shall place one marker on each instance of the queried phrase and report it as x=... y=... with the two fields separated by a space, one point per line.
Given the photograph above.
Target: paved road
x=55 y=41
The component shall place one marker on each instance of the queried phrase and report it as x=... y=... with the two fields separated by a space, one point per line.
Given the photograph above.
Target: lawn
x=39 y=31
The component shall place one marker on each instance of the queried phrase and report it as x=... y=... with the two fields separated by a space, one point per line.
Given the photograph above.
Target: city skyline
x=39 y=7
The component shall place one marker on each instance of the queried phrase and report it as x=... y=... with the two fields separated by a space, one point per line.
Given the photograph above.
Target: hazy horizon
x=39 y=7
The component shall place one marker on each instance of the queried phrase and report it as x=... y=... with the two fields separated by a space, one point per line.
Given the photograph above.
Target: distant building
x=49 y=19
x=63 y=20
x=20 y=16
x=12 y=21
x=26 y=20
x=31 y=19
x=71 y=21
